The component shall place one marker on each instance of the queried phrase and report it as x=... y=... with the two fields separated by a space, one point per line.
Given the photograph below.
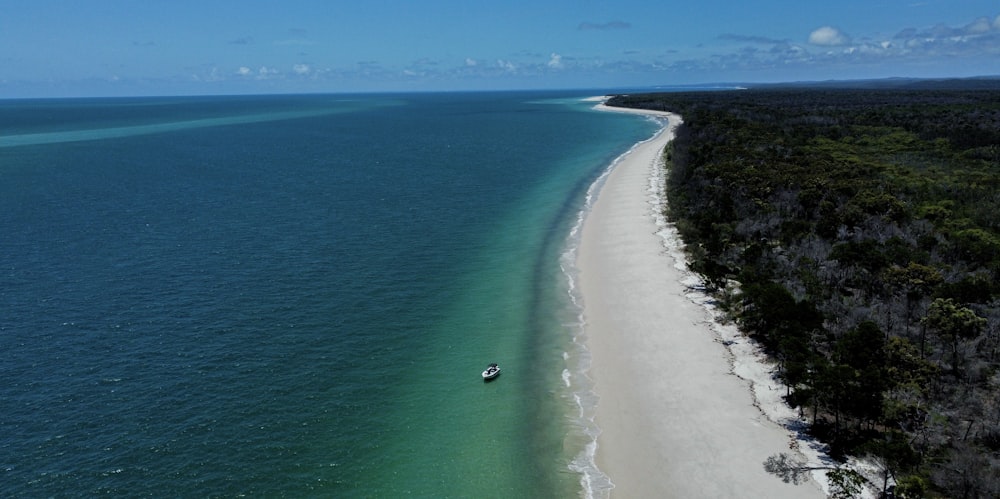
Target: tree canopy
x=861 y=227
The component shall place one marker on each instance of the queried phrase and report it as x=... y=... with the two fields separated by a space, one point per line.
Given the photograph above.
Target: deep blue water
x=293 y=295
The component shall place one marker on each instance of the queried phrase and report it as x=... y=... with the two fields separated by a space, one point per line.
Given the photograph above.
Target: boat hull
x=491 y=372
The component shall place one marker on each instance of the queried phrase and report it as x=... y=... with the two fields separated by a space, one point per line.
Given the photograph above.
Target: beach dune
x=675 y=421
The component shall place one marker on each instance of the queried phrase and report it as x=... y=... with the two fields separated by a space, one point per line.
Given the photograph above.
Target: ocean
x=294 y=296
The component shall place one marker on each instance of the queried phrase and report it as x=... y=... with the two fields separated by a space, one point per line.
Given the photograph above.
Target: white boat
x=492 y=371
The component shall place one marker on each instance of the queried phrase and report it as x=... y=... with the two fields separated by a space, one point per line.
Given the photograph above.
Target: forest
x=854 y=233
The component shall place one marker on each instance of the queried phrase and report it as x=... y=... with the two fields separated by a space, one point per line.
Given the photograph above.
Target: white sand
x=675 y=420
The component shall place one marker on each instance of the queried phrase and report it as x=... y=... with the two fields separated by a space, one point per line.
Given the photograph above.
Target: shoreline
x=646 y=328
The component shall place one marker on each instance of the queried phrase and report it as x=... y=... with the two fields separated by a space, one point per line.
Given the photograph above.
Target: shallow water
x=293 y=295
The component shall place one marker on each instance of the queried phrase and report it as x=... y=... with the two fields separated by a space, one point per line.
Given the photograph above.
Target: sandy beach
x=675 y=420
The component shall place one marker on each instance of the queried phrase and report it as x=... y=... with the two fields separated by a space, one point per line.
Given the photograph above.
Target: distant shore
x=675 y=421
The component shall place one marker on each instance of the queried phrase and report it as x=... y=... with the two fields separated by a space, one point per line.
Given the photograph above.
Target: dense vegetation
x=855 y=234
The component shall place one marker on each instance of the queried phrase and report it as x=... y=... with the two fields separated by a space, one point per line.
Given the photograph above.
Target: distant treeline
x=856 y=235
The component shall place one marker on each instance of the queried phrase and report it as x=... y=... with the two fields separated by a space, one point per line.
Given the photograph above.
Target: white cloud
x=828 y=36
x=207 y=74
x=506 y=66
x=981 y=25
x=555 y=61
x=265 y=72
x=975 y=40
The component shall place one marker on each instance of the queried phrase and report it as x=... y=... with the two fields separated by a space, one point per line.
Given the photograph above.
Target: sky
x=66 y=48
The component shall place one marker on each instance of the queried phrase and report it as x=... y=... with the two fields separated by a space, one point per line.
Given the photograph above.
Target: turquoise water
x=294 y=295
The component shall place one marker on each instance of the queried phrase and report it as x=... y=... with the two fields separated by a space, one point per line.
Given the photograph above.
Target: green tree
x=774 y=315
x=914 y=281
x=861 y=354
x=845 y=483
x=953 y=323
x=911 y=487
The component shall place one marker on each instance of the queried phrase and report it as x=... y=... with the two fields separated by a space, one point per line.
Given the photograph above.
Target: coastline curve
x=696 y=432
x=593 y=481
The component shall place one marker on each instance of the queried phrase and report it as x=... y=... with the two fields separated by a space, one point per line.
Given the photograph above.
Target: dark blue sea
x=295 y=295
